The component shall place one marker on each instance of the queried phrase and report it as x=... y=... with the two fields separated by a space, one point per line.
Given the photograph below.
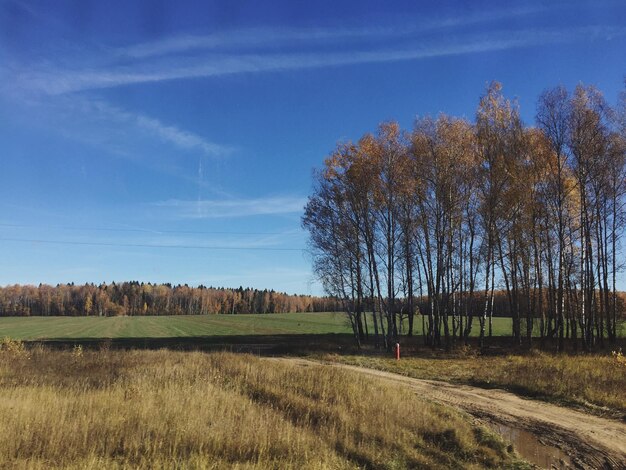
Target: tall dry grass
x=163 y=409
x=597 y=381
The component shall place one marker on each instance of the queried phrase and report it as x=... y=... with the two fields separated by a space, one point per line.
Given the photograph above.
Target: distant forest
x=135 y=298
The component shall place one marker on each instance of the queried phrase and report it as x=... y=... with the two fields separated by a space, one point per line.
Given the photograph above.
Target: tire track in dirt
x=590 y=441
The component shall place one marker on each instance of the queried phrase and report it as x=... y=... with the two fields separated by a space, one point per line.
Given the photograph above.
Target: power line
x=139 y=230
x=143 y=245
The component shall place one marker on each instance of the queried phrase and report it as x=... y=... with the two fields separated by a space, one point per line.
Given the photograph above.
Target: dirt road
x=589 y=441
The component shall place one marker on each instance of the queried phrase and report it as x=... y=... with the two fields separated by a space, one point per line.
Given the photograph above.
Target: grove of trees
x=439 y=219
x=134 y=298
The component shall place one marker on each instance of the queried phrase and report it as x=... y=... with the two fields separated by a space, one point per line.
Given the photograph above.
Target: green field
x=183 y=326
x=37 y=328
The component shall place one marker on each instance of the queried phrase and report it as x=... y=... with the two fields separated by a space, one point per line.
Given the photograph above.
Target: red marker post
x=397 y=351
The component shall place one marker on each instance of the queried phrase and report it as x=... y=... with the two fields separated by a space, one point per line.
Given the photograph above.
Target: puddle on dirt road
x=530 y=448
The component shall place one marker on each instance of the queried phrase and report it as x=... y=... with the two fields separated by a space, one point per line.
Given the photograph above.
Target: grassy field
x=595 y=382
x=268 y=334
x=37 y=328
x=107 y=408
x=166 y=409
x=30 y=328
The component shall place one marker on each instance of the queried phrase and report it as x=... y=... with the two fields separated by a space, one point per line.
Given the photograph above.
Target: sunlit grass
x=172 y=326
x=588 y=380
x=189 y=326
x=163 y=409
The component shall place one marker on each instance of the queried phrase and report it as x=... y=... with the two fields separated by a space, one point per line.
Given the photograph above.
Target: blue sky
x=175 y=141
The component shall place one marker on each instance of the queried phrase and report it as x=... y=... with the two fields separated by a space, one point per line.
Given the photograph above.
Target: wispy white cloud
x=286 y=239
x=221 y=208
x=264 y=37
x=167 y=133
x=181 y=138
x=96 y=122
x=59 y=81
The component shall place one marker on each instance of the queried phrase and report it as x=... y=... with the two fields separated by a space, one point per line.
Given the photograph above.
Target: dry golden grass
x=163 y=409
x=589 y=380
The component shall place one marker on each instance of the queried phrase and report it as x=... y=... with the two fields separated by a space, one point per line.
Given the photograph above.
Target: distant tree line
x=134 y=298
x=453 y=211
